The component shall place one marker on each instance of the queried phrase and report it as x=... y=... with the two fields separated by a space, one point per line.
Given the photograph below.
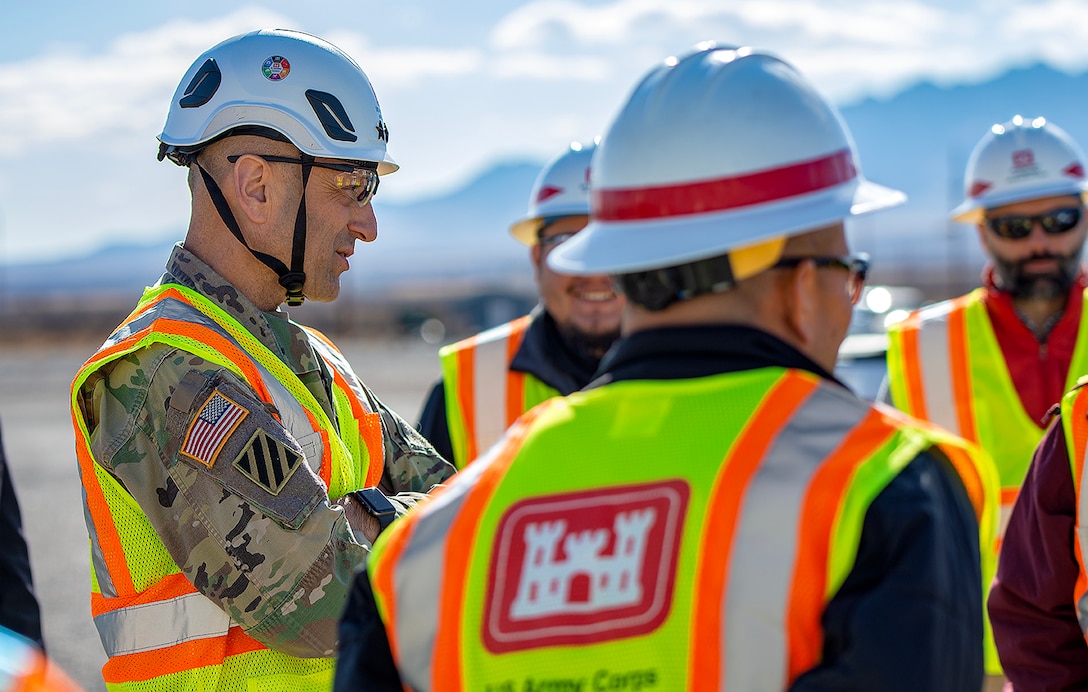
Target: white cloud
x=72 y=97
x=544 y=67
x=458 y=98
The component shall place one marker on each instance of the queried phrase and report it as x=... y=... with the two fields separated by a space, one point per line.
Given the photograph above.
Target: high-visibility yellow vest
x=682 y=534
x=158 y=631
x=483 y=395
x=945 y=366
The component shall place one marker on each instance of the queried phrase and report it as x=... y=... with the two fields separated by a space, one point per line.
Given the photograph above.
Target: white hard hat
x=298 y=85
x=1019 y=161
x=722 y=149
x=561 y=189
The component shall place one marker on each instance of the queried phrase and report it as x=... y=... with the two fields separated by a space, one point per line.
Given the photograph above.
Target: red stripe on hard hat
x=634 y=204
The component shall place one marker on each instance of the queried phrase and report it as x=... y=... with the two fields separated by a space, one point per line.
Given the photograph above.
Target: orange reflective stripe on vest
x=484 y=396
x=487 y=390
x=153 y=622
x=769 y=519
x=1075 y=423
x=946 y=366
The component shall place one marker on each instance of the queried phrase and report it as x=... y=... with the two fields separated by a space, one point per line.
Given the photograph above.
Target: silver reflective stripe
x=765 y=545
x=489 y=385
x=936 y=367
x=335 y=360
x=98 y=558
x=419 y=577
x=161 y=624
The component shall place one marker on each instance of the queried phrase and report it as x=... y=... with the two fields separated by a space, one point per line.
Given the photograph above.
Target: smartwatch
x=377 y=505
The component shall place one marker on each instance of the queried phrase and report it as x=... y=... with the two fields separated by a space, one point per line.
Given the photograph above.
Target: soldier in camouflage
x=235 y=470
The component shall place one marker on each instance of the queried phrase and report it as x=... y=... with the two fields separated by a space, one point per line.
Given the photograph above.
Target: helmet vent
x=330 y=112
x=203 y=86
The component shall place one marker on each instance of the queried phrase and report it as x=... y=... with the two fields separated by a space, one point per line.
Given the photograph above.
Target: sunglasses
x=857 y=265
x=1055 y=222
x=359 y=180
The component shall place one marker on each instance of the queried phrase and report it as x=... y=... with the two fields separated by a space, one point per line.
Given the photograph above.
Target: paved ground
x=37 y=431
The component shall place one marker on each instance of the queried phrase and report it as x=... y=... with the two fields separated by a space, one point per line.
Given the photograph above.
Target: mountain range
x=917 y=140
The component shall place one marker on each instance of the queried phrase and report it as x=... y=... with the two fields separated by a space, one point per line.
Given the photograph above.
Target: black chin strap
x=291 y=279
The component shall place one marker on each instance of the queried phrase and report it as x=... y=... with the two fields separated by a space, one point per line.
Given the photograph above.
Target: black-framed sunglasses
x=1015 y=226
x=358 y=179
x=857 y=265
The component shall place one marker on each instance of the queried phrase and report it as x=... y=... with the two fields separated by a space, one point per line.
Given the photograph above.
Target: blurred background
x=477 y=96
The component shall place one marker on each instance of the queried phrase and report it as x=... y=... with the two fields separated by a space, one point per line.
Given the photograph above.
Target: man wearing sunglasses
x=715 y=511
x=989 y=365
x=234 y=467
x=1038 y=602
x=490 y=379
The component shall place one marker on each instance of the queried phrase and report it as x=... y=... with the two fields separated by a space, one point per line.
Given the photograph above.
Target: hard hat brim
x=973 y=211
x=622 y=247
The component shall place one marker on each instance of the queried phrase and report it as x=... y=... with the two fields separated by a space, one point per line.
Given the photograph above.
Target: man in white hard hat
x=235 y=470
x=1037 y=604
x=490 y=379
x=990 y=364
x=715 y=511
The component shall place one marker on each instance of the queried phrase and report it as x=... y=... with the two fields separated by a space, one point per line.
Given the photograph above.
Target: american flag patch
x=209 y=431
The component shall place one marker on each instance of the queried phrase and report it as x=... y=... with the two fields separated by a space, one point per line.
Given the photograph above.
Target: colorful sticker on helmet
x=584 y=567
x=276 y=68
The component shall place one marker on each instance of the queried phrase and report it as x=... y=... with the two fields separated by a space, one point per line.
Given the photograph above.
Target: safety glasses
x=857 y=265
x=548 y=243
x=1014 y=227
x=359 y=180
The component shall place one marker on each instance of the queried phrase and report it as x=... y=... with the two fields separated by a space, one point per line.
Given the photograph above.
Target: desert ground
x=37 y=436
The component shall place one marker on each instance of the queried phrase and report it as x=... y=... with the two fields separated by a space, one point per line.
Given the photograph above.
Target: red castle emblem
x=584 y=567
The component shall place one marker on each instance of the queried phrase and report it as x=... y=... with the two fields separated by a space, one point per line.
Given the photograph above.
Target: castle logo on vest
x=584 y=567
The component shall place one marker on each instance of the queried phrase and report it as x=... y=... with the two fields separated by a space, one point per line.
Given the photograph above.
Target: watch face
x=377 y=504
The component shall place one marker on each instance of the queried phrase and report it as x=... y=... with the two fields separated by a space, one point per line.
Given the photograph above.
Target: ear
x=251 y=180
x=536 y=254
x=801 y=304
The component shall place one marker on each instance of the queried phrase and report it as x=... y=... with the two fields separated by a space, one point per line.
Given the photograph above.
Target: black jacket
x=18 y=606
x=919 y=544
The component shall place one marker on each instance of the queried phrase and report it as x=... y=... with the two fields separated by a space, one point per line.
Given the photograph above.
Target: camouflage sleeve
x=412 y=466
x=230 y=494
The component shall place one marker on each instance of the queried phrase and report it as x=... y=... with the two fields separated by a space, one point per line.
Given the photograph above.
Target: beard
x=587 y=345
x=1011 y=276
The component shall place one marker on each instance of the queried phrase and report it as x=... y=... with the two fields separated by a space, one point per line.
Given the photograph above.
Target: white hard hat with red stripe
x=1017 y=161
x=721 y=150
x=561 y=189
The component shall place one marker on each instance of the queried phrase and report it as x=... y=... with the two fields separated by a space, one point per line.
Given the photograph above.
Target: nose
x=364 y=225
x=1038 y=237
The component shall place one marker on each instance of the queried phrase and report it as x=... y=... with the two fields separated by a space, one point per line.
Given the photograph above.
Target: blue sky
x=84 y=87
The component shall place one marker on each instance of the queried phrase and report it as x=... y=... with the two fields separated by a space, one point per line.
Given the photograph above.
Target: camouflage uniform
x=278 y=560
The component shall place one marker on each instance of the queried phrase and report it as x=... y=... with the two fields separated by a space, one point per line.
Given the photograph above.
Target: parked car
x=861 y=365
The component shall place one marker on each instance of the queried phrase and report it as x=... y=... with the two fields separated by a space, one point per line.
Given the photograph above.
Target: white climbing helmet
x=298 y=85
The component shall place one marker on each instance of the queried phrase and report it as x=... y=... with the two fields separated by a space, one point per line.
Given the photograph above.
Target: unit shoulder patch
x=267 y=462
